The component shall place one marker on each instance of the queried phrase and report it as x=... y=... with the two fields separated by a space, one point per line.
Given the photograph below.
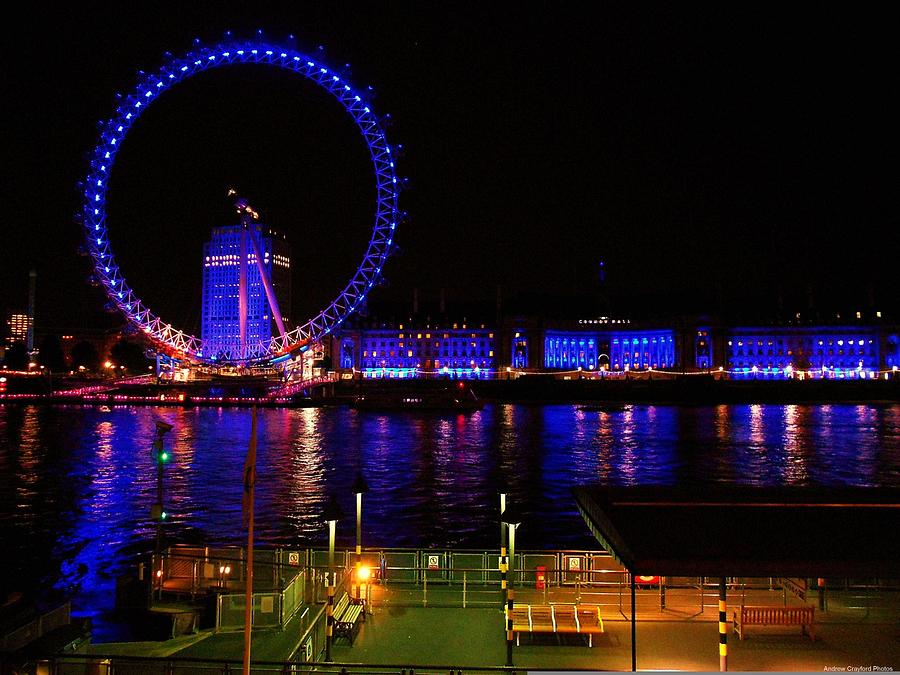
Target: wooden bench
x=558 y=619
x=761 y=615
x=521 y=619
x=347 y=616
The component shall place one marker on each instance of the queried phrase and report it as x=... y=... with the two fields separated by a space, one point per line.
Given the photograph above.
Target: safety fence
x=290 y=581
x=219 y=575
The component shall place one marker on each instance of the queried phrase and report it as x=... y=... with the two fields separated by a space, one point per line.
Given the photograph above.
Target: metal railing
x=116 y=664
x=36 y=628
x=279 y=588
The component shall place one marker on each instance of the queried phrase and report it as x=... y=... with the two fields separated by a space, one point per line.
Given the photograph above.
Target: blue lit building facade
x=220 y=327
x=615 y=350
x=833 y=352
x=519 y=345
x=458 y=351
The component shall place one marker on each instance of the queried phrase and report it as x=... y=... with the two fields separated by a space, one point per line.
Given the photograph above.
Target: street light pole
x=359 y=487
x=161 y=457
x=513 y=519
x=332 y=514
x=503 y=563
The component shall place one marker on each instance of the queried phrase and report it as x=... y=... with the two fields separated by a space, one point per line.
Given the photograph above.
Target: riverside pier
x=659 y=590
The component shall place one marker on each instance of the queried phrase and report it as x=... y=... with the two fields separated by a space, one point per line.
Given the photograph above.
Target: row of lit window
x=637 y=341
x=567 y=341
x=428 y=352
x=438 y=363
x=418 y=336
x=451 y=343
x=762 y=351
x=809 y=341
x=839 y=363
x=455 y=327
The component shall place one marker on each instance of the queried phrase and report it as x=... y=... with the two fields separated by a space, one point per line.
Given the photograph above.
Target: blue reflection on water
x=77 y=484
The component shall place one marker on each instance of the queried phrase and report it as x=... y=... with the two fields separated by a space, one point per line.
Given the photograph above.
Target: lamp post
x=158 y=513
x=512 y=518
x=503 y=564
x=331 y=515
x=359 y=487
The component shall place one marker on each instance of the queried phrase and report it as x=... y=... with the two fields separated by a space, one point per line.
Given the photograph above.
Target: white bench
x=347 y=617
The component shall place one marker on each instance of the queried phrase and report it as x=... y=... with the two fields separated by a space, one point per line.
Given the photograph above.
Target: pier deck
x=855 y=630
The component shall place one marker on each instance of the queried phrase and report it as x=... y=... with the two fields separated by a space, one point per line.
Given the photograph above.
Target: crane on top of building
x=248 y=217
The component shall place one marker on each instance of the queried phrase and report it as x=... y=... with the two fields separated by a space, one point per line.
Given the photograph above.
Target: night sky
x=707 y=156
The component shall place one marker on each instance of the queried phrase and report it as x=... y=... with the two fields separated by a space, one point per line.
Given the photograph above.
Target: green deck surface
x=681 y=636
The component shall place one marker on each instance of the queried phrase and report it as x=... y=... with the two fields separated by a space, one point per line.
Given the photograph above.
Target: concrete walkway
x=857 y=630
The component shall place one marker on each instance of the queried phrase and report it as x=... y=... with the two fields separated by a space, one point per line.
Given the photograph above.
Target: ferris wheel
x=164 y=336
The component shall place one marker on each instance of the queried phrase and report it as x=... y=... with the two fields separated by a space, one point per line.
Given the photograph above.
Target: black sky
x=733 y=155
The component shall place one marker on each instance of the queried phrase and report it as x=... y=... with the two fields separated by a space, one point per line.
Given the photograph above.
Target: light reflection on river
x=77 y=484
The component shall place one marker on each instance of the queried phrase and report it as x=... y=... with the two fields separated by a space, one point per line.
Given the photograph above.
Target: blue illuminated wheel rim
x=166 y=337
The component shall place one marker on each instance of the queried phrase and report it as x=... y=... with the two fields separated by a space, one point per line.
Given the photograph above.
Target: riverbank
x=661 y=390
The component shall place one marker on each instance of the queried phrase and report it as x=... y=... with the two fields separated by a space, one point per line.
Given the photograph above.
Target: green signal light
x=163 y=515
x=164 y=456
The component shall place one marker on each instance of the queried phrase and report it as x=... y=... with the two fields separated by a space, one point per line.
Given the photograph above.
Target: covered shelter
x=724 y=531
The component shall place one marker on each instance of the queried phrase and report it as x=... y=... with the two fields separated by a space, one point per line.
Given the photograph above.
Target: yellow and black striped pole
x=723 y=627
x=509 y=626
x=329 y=616
x=503 y=567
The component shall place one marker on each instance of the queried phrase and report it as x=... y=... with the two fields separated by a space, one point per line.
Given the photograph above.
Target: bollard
x=509 y=626
x=329 y=618
x=723 y=627
x=503 y=583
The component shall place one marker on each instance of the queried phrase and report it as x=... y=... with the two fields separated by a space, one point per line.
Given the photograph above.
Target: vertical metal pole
x=332 y=526
x=158 y=444
x=329 y=620
x=503 y=562
x=329 y=609
x=248 y=610
x=502 y=524
x=510 y=596
x=512 y=555
x=723 y=627
x=249 y=485
x=358 y=541
x=504 y=565
x=509 y=626
x=821 y=585
x=633 y=628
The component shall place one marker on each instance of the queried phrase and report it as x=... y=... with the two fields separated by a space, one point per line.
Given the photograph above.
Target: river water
x=77 y=483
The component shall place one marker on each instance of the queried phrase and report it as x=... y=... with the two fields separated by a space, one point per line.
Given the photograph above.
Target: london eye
x=167 y=338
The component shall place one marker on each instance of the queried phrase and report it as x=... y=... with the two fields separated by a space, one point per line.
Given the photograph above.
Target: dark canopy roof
x=745 y=531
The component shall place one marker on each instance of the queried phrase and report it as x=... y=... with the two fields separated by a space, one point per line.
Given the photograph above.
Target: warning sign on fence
x=434 y=562
x=293 y=558
x=641 y=579
x=574 y=564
